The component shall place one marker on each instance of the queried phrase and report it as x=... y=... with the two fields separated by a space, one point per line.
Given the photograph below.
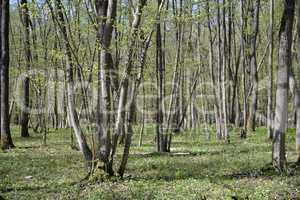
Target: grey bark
x=106 y=13
x=132 y=99
x=270 y=74
x=212 y=72
x=297 y=93
x=223 y=78
x=72 y=113
x=253 y=64
x=285 y=61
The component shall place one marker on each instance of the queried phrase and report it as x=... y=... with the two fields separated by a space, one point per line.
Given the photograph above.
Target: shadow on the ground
x=213 y=170
x=25 y=188
x=183 y=153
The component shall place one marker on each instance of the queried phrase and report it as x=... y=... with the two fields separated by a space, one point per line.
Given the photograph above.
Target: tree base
x=243 y=134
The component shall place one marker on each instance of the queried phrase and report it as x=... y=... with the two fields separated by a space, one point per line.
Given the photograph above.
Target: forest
x=150 y=99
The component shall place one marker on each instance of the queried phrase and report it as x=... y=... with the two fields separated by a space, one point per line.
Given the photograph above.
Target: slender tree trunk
x=143 y=118
x=220 y=67
x=132 y=99
x=73 y=117
x=6 y=140
x=212 y=73
x=27 y=51
x=223 y=71
x=121 y=113
x=243 y=64
x=270 y=73
x=253 y=62
x=285 y=61
x=162 y=137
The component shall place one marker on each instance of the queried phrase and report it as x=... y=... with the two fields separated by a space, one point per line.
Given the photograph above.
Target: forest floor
x=197 y=169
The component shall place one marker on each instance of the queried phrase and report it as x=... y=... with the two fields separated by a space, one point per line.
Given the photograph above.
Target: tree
x=27 y=51
x=270 y=73
x=106 y=13
x=0 y=61
x=284 y=63
x=297 y=92
x=253 y=64
x=73 y=116
x=161 y=137
x=6 y=140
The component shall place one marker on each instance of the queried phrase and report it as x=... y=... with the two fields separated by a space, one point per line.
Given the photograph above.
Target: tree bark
x=243 y=64
x=160 y=72
x=212 y=73
x=297 y=93
x=0 y=62
x=132 y=99
x=253 y=64
x=219 y=74
x=223 y=71
x=270 y=73
x=27 y=51
x=6 y=140
x=297 y=107
x=285 y=61
x=73 y=117
x=106 y=12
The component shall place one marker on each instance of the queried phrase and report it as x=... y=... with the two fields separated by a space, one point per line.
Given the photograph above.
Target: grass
x=196 y=169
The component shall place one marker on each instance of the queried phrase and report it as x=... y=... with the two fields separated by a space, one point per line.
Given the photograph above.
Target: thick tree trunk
x=0 y=62
x=106 y=12
x=285 y=61
x=24 y=112
x=6 y=140
x=297 y=93
x=297 y=108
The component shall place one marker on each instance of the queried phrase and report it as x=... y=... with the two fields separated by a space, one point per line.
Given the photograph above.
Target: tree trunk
x=106 y=12
x=297 y=107
x=73 y=117
x=285 y=61
x=270 y=73
x=223 y=70
x=6 y=140
x=129 y=132
x=212 y=73
x=0 y=63
x=253 y=64
x=25 y=109
x=132 y=99
x=243 y=64
x=160 y=71
x=143 y=118
x=297 y=93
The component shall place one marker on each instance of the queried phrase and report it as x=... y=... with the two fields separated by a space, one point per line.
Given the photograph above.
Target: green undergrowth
x=197 y=168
